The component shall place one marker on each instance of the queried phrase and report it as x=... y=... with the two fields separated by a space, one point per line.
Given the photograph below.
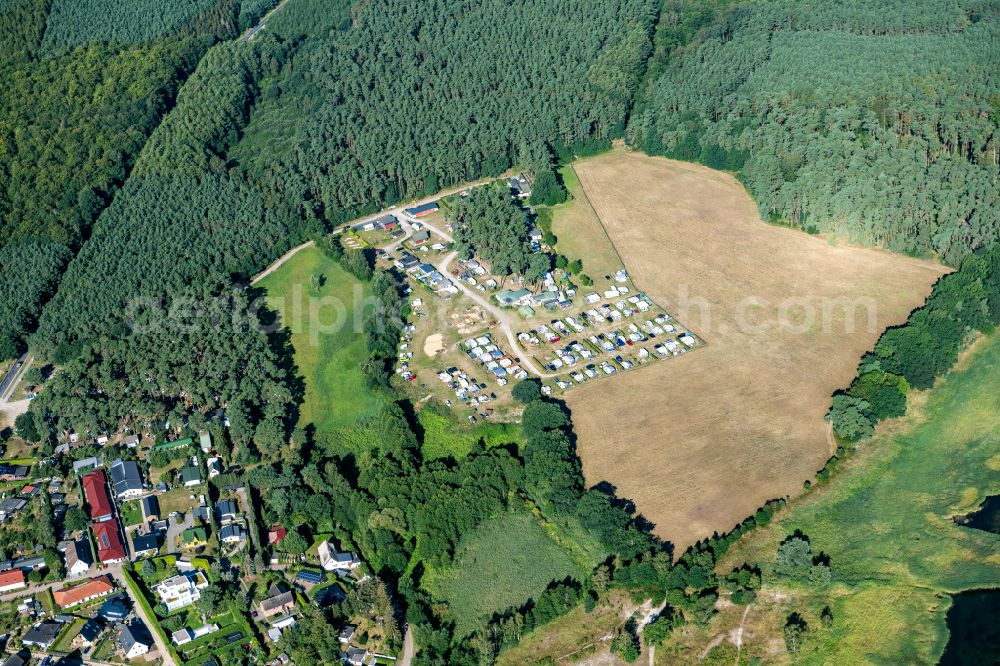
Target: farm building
x=425 y=209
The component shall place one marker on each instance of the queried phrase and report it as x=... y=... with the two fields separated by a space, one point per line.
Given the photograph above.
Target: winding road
x=503 y=318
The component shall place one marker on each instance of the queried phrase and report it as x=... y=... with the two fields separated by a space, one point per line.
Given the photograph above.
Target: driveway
x=176 y=528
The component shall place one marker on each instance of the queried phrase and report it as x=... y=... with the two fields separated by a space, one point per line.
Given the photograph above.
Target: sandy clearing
x=700 y=442
x=433 y=345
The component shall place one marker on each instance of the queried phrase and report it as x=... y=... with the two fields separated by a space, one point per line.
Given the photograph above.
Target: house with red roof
x=276 y=534
x=12 y=580
x=95 y=490
x=109 y=543
x=95 y=588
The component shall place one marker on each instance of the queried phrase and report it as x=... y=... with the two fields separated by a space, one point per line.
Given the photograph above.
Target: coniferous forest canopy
x=148 y=156
x=876 y=121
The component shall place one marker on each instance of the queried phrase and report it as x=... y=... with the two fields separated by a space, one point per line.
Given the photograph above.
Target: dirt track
x=700 y=442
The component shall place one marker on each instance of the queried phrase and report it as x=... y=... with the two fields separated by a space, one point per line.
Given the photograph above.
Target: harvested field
x=701 y=442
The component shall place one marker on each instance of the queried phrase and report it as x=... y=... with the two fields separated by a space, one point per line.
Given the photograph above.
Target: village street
x=115 y=571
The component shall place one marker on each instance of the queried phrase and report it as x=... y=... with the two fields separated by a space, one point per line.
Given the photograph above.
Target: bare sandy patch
x=699 y=443
x=434 y=345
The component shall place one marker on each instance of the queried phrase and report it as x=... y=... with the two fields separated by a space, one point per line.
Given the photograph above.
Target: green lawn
x=131 y=512
x=502 y=563
x=886 y=523
x=327 y=336
x=444 y=436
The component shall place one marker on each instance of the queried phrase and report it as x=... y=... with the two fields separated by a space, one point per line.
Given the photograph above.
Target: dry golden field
x=701 y=441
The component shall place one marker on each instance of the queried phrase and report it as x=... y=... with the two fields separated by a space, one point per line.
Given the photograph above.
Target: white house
x=332 y=560
x=182 y=590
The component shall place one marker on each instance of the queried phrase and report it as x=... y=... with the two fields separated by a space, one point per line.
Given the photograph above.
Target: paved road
x=503 y=318
x=116 y=572
x=15 y=370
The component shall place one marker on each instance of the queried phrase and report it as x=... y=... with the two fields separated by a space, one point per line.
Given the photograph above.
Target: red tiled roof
x=109 y=544
x=95 y=488
x=12 y=577
x=277 y=534
x=95 y=587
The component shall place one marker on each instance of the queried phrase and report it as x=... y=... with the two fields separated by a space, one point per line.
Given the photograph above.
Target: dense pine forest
x=875 y=121
x=84 y=86
x=149 y=156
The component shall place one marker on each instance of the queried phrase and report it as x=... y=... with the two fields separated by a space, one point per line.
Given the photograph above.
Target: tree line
x=919 y=351
x=893 y=142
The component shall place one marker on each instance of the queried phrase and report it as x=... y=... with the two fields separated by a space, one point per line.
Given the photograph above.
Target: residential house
x=519 y=186
x=78 y=558
x=88 y=634
x=150 y=508
x=145 y=545
x=277 y=602
x=214 y=465
x=356 y=656
x=205 y=440
x=191 y=477
x=10 y=506
x=13 y=472
x=22 y=658
x=132 y=441
x=86 y=463
x=232 y=533
x=420 y=237
x=134 y=640
x=95 y=492
x=276 y=534
x=12 y=580
x=347 y=634
x=126 y=479
x=194 y=537
x=113 y=610
x=42 y=635
x=108 y=540
x=227 y=511
x=95 y=588
x=181 y=590
x=333 y=560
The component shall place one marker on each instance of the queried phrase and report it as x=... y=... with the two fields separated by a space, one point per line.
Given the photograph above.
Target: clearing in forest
x=701 y=442
x=501 y=564
x=324 y=307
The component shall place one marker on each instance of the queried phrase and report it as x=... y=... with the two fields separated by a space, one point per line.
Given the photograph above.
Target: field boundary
x=631 y=276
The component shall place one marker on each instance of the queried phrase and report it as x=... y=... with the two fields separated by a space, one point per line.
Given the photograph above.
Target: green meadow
x=501 y=564
x=886 y=522
x=326 y=325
